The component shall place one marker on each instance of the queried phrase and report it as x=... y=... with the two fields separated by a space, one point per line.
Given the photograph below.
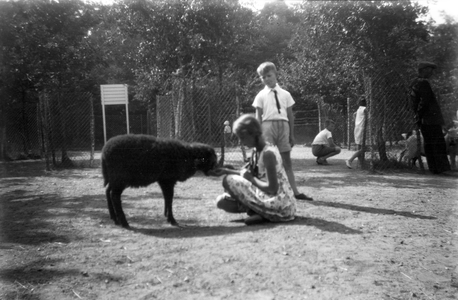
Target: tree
x=339 y=47
x=441 y=49
x=43 y=48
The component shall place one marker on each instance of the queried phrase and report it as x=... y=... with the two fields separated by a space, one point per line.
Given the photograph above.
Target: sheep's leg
x=167 y=187
x=117 y=207
x=110 y=204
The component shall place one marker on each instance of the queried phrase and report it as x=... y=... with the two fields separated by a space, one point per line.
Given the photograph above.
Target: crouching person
x=261 y=190
x=323 y=146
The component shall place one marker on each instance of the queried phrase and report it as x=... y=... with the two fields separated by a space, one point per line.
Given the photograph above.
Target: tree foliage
x=335 y=43
x=322 y=49
x=43 y=42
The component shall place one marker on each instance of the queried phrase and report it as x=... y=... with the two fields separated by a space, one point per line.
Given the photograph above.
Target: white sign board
x=113 y=94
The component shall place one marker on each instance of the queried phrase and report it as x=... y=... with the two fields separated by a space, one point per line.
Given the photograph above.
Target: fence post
x=368 y=85
x=318 y=102
x=362 y=156
x=92 y=129
x=209 y=122
x=45 y=123
x=348 y=124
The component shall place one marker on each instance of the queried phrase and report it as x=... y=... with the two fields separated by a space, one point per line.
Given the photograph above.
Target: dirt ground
x=366 y=236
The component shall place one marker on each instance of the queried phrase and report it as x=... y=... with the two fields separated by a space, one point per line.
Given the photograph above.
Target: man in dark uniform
x=429 y=119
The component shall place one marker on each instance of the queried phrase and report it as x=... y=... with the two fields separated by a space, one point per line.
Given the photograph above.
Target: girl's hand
x=217 y=172
x=247 y=175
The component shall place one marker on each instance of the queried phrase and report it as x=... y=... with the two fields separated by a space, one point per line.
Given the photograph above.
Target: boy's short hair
x=266 y=67
x=329 y=122
x=247 y=124
x=362 y=102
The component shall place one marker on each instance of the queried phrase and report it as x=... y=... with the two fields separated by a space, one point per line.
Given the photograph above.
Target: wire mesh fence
x=21 y=130
x=391 y=118
x=195 y=111
x=62 y=128
x=67 y=129
x=55 y=127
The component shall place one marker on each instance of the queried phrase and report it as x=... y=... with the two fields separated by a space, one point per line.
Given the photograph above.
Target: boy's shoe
x=302 y=196
x=348 y=163
x=322 y=161
x=255 y=219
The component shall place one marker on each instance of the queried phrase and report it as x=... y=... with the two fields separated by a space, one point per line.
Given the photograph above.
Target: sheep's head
x=205 y=158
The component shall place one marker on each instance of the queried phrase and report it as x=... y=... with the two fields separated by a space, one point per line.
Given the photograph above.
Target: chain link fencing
x=390 y=120
x=55 y=127
x=389 y=117
x=67 y=129
x=21 y=129
x=195 y=111
x=391 y=129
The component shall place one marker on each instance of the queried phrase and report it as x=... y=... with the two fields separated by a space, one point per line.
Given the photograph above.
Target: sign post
x=113 y=94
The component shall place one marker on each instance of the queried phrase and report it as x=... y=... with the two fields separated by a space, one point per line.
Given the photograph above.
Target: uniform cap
x=226 y=122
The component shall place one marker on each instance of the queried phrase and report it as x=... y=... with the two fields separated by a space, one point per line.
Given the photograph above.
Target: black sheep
x=139 y=160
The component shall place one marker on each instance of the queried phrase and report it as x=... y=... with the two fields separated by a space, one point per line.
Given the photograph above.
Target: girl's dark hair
x=247 y=124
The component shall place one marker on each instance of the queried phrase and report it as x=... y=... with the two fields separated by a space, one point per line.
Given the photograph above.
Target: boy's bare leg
x=286 y=157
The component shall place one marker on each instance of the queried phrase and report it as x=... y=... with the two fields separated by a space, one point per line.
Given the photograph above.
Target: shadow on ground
x=338 y=175
x=371 y=210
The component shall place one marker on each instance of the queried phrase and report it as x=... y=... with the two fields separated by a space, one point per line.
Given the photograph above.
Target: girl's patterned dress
x=278 y=207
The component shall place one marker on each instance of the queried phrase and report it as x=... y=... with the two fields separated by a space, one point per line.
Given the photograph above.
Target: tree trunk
x=65 y=159
x=25 y=125
x=44 y=112
x=381 y=144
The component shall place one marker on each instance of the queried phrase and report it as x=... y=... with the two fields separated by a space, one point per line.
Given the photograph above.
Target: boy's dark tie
x=276 y=100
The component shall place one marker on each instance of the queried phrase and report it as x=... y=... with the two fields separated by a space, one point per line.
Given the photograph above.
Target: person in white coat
x=360 y=123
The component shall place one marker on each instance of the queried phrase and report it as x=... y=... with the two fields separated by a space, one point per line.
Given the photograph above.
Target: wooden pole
x=348 y=124
x=92 y=128
x=319 y=113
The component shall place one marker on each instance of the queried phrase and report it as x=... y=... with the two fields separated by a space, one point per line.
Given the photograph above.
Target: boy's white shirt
x=265 y=100
x=322 y=137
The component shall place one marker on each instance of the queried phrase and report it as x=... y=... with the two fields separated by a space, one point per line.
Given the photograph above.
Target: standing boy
x=323 y=146
x=274 y=110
